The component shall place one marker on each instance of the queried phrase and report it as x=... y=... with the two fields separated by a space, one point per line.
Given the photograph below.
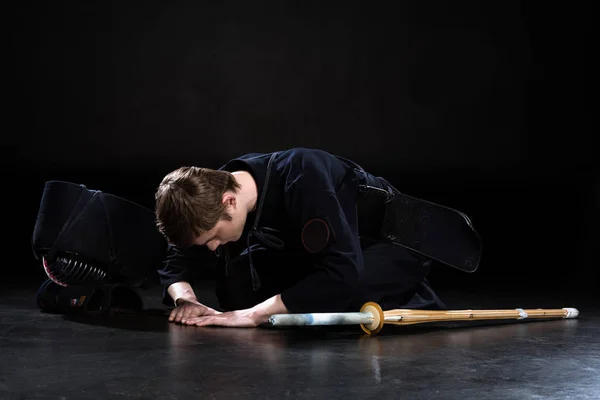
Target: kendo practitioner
x=293 y=231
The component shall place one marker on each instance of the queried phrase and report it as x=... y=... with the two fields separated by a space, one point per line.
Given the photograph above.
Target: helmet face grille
x=70 y=269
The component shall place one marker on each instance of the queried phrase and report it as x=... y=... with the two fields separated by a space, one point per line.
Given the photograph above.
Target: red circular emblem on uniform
x=315 y=235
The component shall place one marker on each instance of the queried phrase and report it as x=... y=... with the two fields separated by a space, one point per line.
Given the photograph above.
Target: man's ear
x=229 y=199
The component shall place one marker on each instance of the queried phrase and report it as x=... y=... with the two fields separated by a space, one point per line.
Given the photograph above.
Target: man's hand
x=248 y=318
x=235 y=319
x=187 y=309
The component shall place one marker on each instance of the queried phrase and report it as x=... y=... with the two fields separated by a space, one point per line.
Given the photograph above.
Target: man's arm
x=320 y=190
x=182 y=291
x=187 y=304
x=248 y=318
x=177 y=274
x=179 y=269
x=264 y=310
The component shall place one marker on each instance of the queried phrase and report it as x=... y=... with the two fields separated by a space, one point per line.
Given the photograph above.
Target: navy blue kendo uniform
x=309 y=239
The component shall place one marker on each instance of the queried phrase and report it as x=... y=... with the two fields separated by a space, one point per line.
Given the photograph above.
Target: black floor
x=46 y=356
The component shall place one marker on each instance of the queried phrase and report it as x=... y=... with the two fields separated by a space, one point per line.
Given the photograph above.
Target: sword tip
x=571 y=312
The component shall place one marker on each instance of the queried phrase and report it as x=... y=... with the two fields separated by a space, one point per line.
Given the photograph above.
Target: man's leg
x=396 y=278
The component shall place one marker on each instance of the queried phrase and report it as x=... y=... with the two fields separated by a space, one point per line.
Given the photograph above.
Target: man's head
x=199 y=206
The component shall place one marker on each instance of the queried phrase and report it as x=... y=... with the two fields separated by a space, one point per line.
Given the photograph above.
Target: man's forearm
x=264 y=310
x=182 y=290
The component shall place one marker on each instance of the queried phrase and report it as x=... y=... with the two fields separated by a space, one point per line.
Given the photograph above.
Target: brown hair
x=189 y=202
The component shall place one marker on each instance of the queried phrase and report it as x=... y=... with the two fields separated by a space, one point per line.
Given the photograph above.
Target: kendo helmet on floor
x=83 y=236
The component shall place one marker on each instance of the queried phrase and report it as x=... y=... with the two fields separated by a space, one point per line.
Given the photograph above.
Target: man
x=286 y=232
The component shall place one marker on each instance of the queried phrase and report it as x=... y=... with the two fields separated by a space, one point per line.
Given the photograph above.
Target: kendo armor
x=88 y=241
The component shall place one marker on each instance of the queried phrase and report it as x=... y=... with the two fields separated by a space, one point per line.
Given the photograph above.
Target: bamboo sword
x=371 y=317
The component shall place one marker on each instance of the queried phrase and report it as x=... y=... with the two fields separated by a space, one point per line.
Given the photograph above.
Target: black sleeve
x=314 y=192
x=184 y=265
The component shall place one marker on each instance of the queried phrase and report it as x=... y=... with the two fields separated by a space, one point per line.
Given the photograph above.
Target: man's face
x=224 y=231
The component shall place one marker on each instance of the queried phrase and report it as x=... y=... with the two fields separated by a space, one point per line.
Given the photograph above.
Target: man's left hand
x=240 y=318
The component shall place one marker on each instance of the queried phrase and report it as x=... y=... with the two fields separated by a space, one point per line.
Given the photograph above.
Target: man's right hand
x=187 y=309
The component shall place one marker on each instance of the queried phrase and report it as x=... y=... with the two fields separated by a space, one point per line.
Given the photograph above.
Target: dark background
x=481 y=106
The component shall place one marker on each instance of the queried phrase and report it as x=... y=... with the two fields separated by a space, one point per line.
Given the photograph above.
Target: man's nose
x=213 y=245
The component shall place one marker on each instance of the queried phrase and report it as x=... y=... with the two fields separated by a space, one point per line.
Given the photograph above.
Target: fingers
x=205 y=320
x=221 y=319
x=182 y=312
x=200 y=315
x=189 y=311
x=174 y=316
x=197 y=320
x=216 y=320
